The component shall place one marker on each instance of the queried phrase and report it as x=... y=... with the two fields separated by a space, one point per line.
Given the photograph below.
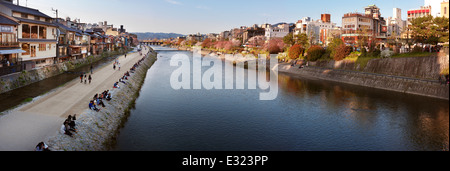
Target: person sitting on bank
x=65 y=130
x=71 y=122
x=93 y=107
x=42 y=147
x=116 y=85
x=108 y=97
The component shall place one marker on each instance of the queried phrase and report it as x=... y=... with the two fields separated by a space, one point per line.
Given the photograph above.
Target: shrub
x=387 y=53
x=342 y=51
x=315 y=53
x=363 y=52
x=417 y=49
x=295 y=51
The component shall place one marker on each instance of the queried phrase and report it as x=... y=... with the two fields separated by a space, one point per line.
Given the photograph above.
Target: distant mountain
x=149 y=35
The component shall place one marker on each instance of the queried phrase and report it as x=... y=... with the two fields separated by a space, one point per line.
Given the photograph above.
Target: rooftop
x=22 y=9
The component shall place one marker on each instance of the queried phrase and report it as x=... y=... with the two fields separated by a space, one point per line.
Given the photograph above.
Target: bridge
x=150 y=42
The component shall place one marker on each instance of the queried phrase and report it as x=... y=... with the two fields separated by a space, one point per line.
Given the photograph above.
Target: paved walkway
x=24 y=128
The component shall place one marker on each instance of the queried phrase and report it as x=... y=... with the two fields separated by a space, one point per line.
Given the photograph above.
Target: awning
x=12 y=51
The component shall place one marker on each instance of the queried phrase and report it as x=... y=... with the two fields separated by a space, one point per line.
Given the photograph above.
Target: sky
x=208 y=16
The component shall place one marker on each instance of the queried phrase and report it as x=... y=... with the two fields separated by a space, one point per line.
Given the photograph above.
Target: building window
x=26 y=31
x=445 y=10
x=24 y=15
x=26 y=48
x=37 y=18
x=42 y=32
x=34 y=32
x=42 y=47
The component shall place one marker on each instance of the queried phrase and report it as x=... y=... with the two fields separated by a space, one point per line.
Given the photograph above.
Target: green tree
x=336 y=42
x=429 y=30
x=289 y=39
x=302 y=39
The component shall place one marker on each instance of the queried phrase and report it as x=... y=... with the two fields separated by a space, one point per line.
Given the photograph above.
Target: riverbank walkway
x=23 y=128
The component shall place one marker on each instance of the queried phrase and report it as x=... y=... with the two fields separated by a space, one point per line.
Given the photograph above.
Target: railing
x=9 y=44
x=10 y=69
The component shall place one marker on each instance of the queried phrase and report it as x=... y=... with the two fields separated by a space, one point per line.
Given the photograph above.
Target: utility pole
x=56 y=11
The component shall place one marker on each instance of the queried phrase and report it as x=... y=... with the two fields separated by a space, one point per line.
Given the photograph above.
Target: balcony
x=9 y=44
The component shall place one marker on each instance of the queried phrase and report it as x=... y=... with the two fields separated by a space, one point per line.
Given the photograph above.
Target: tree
x=295 y=51
x=315 y=52
x=206 y=43
x=336 y=42
x=302 y=39
x=289 y=39
x=429 y=30
x=341 y=52
x=274 y=46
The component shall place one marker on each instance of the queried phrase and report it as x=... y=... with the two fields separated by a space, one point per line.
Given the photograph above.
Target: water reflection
x=423 y=121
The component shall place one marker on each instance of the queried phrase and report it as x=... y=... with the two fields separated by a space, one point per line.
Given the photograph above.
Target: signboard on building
x=384 y=29
x=6 y=29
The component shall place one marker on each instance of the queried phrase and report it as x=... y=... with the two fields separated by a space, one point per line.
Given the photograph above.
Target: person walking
x=118 y=66
x=81 y=78
x=92 y=68
x=114 y=66
x=90 y=79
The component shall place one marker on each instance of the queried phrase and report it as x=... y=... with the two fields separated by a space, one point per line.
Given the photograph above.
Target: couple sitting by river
x=69 y=125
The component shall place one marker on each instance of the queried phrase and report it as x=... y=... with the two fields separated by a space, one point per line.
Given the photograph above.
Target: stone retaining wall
x=97 y=131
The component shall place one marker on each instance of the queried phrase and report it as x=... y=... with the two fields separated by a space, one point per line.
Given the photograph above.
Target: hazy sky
x=208 y=16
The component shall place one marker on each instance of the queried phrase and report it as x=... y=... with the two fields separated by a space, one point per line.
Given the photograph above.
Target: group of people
x=69 y=126
x=85 y=78
x=97 y=100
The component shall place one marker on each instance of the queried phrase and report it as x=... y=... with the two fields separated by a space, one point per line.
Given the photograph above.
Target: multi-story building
x=379 y=24
x=36 y=35
x=435 y=7
x=355 y=26
x=444 y=9
x=417 y=13
x=9 y=46
x=277 y=31
x=318 y=31
x=395 y=24
x=253 y=31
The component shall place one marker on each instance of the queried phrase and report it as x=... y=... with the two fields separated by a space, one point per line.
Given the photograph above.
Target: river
x=307 y=115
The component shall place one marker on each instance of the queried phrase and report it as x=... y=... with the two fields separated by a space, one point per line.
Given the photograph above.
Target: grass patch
x=414 y=55
x=27 y=100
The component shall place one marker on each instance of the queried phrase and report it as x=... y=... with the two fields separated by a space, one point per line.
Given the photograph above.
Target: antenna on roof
x=56 y=11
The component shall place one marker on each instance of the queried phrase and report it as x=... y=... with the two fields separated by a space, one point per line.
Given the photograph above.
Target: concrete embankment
x=379 y=81
x=97 y=131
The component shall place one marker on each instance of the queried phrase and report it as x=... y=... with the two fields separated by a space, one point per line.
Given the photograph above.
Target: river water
x=307 y=115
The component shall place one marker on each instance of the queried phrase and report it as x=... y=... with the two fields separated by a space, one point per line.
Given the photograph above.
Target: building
x=326 y=18
x=444 y=9
x=9 y=45
x=435 y=7
x=379 y=24
x=417 y=13
x=395 y=24
x=319 y=31
x=355 y=26
x=253 y=31
x=37 y=35
x=276 y=31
